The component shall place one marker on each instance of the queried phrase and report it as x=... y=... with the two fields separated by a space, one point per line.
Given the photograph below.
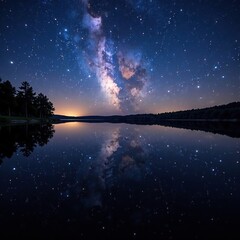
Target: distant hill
x=229 y=111
x=223 y=119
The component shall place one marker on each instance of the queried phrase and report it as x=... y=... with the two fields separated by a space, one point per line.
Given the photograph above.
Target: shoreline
x=228 y=127
x=16 y=121
x=5 y=120
x=160 y=120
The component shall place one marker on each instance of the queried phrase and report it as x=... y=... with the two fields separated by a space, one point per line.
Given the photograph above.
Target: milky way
x=121 y=57
x=101 y=61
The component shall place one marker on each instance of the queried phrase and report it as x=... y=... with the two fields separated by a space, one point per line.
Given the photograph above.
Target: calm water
x=118 y=180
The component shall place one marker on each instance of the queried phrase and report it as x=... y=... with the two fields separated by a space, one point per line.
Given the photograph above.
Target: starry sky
x=123 y=56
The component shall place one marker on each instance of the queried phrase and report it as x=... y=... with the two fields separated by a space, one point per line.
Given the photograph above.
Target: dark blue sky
x=125 y=56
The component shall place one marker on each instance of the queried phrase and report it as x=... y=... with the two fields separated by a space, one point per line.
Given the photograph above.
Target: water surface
x=118 y=180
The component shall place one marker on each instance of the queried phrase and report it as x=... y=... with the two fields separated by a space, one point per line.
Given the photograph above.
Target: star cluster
x=105 y=57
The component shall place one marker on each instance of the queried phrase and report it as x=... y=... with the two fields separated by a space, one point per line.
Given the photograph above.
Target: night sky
x=123 y=56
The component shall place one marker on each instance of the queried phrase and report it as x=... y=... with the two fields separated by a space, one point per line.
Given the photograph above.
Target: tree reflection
x=24 y=138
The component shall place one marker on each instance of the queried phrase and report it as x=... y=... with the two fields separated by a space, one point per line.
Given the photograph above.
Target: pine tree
x=7 y=92
x=26 y=97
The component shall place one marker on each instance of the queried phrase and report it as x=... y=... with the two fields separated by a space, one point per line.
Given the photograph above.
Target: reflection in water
x=121 y=181
x=95 y=180
x=120 y=155
x=23 y=137
x=228 y=128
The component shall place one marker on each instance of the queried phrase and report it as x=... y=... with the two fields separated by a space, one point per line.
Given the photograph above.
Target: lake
x=118 y=181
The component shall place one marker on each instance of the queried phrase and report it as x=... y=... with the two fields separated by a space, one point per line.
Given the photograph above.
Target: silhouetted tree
x=40 y=104
x=26 y=97
x=50 y=109
x=7 y=93
x=44 y=106
x=25 y=102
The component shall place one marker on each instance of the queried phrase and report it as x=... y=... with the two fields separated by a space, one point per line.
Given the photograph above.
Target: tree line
x=222 y=112
x=24 y=101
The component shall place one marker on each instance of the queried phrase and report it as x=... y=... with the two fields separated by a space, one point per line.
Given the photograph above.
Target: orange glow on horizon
x=72 y=112
x=69 y=113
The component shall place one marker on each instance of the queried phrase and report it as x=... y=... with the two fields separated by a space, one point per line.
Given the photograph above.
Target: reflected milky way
x=124 y=180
